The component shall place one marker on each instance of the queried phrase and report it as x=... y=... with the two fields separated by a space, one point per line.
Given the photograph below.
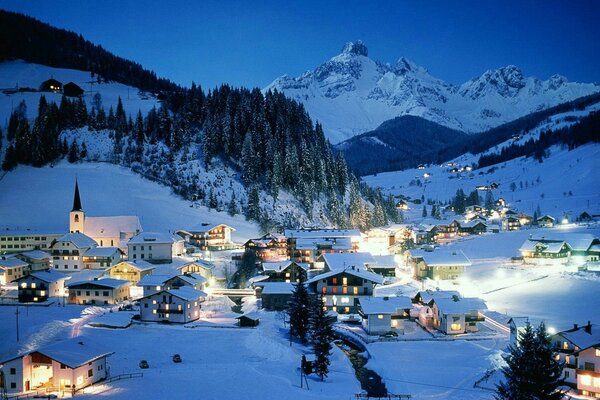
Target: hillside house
x=384 y=265
x=544 y=251
x=381 y=314
x=154 y=247
x=36 y=259
x=98 y=292
x=181 y=305
x=439 y=264
x=11 y=269
x=271 y=247
x=101 y=257
x=72 y=89
x=445 y=231
x=285 y=271
x=39 y=286
x=511 y=223
x=276 y=295
x=131 y=271
x=423 y=301
x=457 y=315
x=546 y=221
x=67 y=252
x=51 y=85
x=306 y=245
x=27 y=240
x=402 y=205
x=69 y=365
x=473 y=227
x=209 y=237
x=201 y=267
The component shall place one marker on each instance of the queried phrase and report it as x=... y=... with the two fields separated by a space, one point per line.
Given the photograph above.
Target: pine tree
x=424 y=213
x=531 y=371
x=253 y=209
x=298 y=311
x=489 y=200
x=73 y=151
x=321 y=333
x=212 y=199
x=232 y=208
x=83 y=153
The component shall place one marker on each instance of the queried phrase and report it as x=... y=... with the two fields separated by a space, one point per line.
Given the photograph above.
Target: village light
x=551 y=330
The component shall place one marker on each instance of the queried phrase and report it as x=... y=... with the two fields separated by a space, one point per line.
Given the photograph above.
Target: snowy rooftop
x=277 y=288
x=201 y=263
x=153 y=238
x=105 y=282
x=359 y=272
x=185 y=293
x=74 y=352
x=548 y=247
x=379 y=305
x=459 y=305
x=339 y=261
x=78 y=239
x=205 y=227
x=342 y=243
x=577 y=241
x=48 y=276
x=443 y=257
x=321 y=233
x=581 y=338
x=192 y=279
x=428 y=295
x=281 y=266
x=384 y=262
x=36 y=254
x=12 y=262
x=137 y=264
x=154 y=280
x=111 y=226
x=101 y=251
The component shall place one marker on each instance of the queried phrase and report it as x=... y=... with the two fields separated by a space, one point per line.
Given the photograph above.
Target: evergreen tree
x=531 y=371
x=489 y=200
x=10 y=158
x=459 y=202
x=321 y=333
x=253 y=209
x=298 y=311
x=73 y=151
x=212 y=199
x=83 y=153
x=378 y=215
x=232 y=208
x=424 y=213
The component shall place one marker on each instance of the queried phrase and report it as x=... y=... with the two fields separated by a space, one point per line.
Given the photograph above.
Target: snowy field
x=41 y=198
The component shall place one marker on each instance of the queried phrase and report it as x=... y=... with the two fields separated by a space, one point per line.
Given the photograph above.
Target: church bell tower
x=76 y=216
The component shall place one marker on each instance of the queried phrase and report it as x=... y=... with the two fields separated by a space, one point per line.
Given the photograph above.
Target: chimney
x=588 y=327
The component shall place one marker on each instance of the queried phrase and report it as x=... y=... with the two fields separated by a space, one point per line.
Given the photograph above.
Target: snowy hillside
x=351 y=94
x=41 y=198
x=19 y=75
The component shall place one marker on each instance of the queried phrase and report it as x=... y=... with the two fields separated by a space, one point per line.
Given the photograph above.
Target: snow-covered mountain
x=351 y=94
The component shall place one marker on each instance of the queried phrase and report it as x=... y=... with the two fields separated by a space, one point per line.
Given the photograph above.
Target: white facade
x=100 y=292
x=67 y=251
x=588 y=371
x=101 y=257
x=39 y=286
x=17 y=241
x=176 y=305
x=11 y=269
x=157 y=248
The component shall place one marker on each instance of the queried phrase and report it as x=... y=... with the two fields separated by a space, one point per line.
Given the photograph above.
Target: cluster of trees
x=585 y=131
x=309 y=322
x=460 y=201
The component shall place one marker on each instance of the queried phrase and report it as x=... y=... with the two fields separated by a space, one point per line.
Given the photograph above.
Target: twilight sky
x=250 y=43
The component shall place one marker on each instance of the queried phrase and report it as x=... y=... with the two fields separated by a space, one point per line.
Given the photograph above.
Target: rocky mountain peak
x=358 y=48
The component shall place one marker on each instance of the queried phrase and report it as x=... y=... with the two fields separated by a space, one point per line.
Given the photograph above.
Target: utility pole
x=17 y=314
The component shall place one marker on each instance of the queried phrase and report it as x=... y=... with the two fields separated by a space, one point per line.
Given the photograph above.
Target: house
x=250 y=319
x=154 y=247
x=151 y=284
x=517 y=325
x=542 y=251
x=181 y=305
x=511 y=224
x=101 y=257
x=200 y=267
x=209 y=237
x=381 y=314
x=285 y=271
x=402 y=205
x=11 y=269
x=305 y=245
x=444 y=231
x=14 y=241
x=113 y=231
x=579 y=349
x=339 y=261
x=36 y=259
x=155 y=283
x=424 y=304
x=69 y=365
x=98 y=291
x=584 y=247
x=384 y=265
x=457 y=315
x=439 y=264
x=276 y=295
x=378 y=240
x=546 y=221
x=38 y=286
x=51 y=85
x=72 y=90
x=525 y=219
x=473 y=227
x=131 y=271
x=270 y=247
x=67 y=252
x=343 y=288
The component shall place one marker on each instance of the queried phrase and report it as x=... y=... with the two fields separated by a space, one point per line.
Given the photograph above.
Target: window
x=379 y=316
x=90 y=373
x=344 y=281
x=145 y=305
x=79 y=293
x=585 y=380
x=33 y=285
x=87 y=292
x=347 y=310
x=334 y=289
x=13 y=371
x=97 y=293
x=134 y=248
x=588 y=366
x=105 y=293
x=355 y=290
x=566 y=345
x=455 y=327
x=153 y=311
x=63 y=366
x=13 y=385
x=345 y=290
x=597 y=352
x=324 y=290
x=345 y=300
x=334 y=281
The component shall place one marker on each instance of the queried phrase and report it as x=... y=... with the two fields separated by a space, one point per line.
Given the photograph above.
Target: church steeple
x=76 y=199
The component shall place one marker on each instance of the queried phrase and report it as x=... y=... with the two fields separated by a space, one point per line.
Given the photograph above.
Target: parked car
x=144 y=364
x=176 y=358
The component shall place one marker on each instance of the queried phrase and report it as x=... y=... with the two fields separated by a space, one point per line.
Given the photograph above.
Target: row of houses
x=579 y=249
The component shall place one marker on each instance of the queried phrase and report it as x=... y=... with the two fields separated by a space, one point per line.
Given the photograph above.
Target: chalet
x=276 y=295
x=586 y=216
x=270 y=247
x=51 y=85
x=381 y=314
x=155 y=283
x=439 y=264
x=285 y=271
x=131 y=271
x=67 y=252
x=100 y=291
x=339 y=261
x=151 y=284
x=500 y=202
x=473 y=227
x=579 y=349
x=250 y=319
x=378 y=240
x=36 y=259
x=423 y=301
x=154 y=247
x=343 y=288
x=517 y=326
x=402 y=205
x=584 y=247
x=511 y=224
x=525 y=219
x=445 y=230
x=209 y=237
x=11 y=269
x=72 y=90
x=68 y=365
x=14 y=241
x=457 y=315
x=201 y=267
x=546 y=221
x=41 y=285
x=544 y=251
x=101 y=257
x=180 y=305
x=305 y=245
x=384 y=265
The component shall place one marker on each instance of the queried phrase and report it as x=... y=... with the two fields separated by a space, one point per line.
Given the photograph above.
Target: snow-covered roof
x=185 y=293
x=360 y=272
x=595 y=248
x=321 y=233
x=379 y=305
x=277 y=288
x=281 y=266
x=27 y=232
x=154 y=280
x=112 y=226
x=153 y=238
x=577 y=241
x=74 y=352
x=101 y=252
x=192 y=279
x=12 y=262
x=78 y=239
x=443 y=258
x=137 y=264
x=428 y=295
x=36 y=254
x=104 y=282
x=342 y=243
x=199 y=262
x=459 y=305
x=383 y=262
x=520 y=322
x=581 y=338
x=205 y=227
x=472 y=223
x=47 y=276
x=258 y=278
x=250 y=315
x=547 y=247
x=339 y=261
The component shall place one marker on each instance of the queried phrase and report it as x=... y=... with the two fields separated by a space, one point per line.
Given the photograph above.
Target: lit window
x=196 y=313
x=585 y=380
x=324 y=290
x=334 y=280
x=153 y=301
x=347 y=310
x=157 y=287
x=455 y=327
x=324 y=308
x=324 y=299
x=394 y=323
x=33 y=285
x=344 y=281
x=166 y=306
x=379 y=316
x=355 y=291
x=566 y=345
x=166 y=315
x=287 y=274
x=179 y=307
x=35 y=299
x=345 y=300
x=24 y=285
x=42 y=293
x=153 y=311
x=334 y=289
x=596 y=382
x=597 y=352
x=334 y=309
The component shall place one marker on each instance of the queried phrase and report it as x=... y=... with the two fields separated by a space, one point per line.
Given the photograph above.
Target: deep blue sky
x=250 y=43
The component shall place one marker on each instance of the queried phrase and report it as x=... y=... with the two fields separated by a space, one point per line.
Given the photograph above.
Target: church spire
x=76 y=199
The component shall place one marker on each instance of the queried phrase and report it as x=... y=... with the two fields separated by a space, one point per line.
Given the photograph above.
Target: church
x=106 y=231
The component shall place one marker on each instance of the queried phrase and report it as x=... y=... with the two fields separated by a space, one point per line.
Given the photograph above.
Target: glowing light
x=551 y=330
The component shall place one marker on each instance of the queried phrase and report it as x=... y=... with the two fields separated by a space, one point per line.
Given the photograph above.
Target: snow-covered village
x=286 y=214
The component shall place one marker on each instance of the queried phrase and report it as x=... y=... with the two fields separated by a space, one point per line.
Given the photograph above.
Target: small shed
x=51 y=85
x=72 y=89
x=248 y=319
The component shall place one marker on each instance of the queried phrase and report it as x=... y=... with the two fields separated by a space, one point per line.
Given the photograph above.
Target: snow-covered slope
x=41 y=198
x=351 y=94
x=19 y=74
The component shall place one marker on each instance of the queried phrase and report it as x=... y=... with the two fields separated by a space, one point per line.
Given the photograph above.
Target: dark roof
x=52 y=81
x=72 y=89
x=76 y=199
